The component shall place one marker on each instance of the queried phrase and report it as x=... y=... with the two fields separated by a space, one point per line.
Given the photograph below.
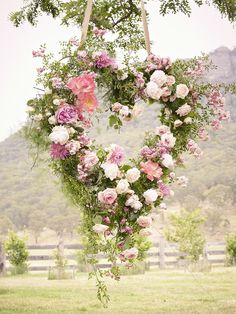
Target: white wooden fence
x=162 y=254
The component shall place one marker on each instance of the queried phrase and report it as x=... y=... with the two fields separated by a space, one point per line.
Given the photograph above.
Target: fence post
x=162 y=252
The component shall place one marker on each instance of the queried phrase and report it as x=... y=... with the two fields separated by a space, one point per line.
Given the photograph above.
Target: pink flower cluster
x=102 y=60
x=39 y=53
x=57 y=82
x=66 y=114
x=58 y=151
x=116 y=154
x=99 y=32
x=83 y=87
x=194 y=149
x=151 y=169
x=87 y=162
x=156 y=63
x=217 y=102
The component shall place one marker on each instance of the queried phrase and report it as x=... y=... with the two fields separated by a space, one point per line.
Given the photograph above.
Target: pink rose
x=130 y=253
x=90 y=159
x=116 y=107
x=82 y=84
x=182 y=91
x=152 y=170
x=107 y=196
x=144 y=221
x=183 y=110
x=87 y=102
x=66 y=114
x=160 y=130
x=116 y=154
x=168 y=140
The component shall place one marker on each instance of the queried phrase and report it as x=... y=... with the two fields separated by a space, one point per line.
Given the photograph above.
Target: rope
x=86 y=20
x=145 y=28
x=87 y=16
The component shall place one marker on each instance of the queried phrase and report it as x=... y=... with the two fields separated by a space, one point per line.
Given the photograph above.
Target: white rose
x=188 y=120
x=170 y=80
x=100 y=228
x=59 y=135
x=150 y=196
x=182 y=91
x=124 y=111
x=56 y=102
x=159 y=77
x=163 y=206
x=177 y=123
x=137 y=205
x=52 y=120
x=132 y=175
x=111 y=170
x=153 y=90
x=122 y=186
x=133 y=202
x=167 y=161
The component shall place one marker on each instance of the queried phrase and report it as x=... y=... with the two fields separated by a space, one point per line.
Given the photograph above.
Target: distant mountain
x=24 y=190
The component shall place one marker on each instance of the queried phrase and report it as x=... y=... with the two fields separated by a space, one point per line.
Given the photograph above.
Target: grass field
x=155 y=292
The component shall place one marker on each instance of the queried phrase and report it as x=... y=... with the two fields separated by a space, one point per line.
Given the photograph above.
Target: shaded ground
x=155 y=292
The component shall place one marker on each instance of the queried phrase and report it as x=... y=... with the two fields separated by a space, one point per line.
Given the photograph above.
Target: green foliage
x=227 y=7
x=17 y=252
x=231 y=249
x=185 y=230
x=120 y=17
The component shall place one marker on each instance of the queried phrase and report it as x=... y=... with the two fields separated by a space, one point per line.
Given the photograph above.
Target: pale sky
x=172 y=35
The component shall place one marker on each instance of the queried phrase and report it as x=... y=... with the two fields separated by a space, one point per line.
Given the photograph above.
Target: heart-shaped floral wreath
x=116 y=197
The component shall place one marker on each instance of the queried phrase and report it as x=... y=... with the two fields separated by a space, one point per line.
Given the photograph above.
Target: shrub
x=185 y=229
x=17 y=253
x=231 y=249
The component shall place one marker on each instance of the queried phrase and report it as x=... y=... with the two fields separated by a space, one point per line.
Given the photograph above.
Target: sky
x=176 y=36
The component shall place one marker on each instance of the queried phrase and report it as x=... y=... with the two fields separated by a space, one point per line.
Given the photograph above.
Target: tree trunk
x=2 y=260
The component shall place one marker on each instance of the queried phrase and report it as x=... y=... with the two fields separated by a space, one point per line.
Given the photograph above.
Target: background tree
x=5 y=225
x=37 y=222
x=185 y=230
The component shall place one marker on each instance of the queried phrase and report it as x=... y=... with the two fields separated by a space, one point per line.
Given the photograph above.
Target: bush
x=231 y=249
x=185 y=230
x=58 y=272
x=17 y=253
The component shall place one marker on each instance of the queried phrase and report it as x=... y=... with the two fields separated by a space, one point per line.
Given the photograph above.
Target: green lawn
x=155 y=292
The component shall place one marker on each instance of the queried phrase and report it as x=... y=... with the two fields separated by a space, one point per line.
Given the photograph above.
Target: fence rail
x=162 y=254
